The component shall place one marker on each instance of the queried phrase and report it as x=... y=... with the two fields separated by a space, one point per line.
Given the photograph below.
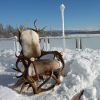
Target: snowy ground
x=82 y=70
x=83 y=35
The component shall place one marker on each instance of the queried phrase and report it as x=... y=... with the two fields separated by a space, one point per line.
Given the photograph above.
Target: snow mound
x=9 y=94
x=82 y=70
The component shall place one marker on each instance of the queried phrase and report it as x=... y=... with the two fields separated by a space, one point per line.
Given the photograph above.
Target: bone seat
x=42 y=66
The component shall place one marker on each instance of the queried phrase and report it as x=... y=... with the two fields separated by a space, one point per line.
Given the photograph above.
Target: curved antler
x=37 y=28
x=19 y=29
x=35 y=25
x=41 y=30
x=22 y=28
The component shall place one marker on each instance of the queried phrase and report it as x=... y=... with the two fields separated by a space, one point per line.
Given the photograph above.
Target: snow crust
x=82 y=70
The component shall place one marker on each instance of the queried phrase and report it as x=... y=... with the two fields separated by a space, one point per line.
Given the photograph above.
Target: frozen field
x=82 y=70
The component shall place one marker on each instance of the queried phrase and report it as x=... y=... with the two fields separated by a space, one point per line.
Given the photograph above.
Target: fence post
x=64 y=42
x=46 y=43
x=16 y=44
x=78 y=43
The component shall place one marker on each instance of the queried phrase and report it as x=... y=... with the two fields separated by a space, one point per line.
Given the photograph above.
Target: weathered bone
x=19 y=29
x=35 y=25
x=37 y=28
x=22 y=28
x=41 y=30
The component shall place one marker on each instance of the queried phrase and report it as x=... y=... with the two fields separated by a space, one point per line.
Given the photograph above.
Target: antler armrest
x=54 y=53
x=47 y=52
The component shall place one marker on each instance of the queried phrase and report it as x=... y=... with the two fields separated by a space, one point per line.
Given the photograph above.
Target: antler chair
x=36 y=70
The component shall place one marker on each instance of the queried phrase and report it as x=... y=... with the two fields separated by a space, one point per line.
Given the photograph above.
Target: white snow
x=82 y=70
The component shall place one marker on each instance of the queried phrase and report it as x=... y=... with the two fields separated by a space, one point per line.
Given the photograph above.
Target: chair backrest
x=30 y=43
x=29 y=40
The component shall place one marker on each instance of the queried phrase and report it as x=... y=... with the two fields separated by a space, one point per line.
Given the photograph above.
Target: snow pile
x=8 y=94
x=82 y=70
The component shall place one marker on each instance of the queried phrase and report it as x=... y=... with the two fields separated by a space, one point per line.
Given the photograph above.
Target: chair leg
x=45 y=81
x=34 y=87
x=42 y=90
x=62 y=73
x=57 y=78
x=29 y=87
x=23 y=86
x=37 y=90
x=19 y=82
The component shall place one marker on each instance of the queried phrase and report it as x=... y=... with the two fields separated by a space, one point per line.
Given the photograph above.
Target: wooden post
x=78 y=43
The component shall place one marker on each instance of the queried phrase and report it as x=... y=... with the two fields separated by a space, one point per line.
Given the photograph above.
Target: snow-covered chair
x=33 y=68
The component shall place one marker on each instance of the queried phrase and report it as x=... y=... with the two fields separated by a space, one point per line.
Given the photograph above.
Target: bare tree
x=1 y=27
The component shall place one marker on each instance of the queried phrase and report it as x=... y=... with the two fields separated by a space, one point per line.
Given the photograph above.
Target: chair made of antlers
x=33 y=68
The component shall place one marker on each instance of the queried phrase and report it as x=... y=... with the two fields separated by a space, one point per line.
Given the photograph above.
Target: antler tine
x=24 y=26
x=35 y=25
x=41 y=30
x=19 y=29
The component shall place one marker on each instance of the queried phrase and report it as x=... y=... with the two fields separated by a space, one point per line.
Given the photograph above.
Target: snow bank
x=82 y=70
x=8 y=94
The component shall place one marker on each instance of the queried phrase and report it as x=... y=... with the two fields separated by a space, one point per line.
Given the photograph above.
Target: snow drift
x=82 y=70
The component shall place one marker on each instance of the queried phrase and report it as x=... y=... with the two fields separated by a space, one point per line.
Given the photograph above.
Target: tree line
x=9 y=31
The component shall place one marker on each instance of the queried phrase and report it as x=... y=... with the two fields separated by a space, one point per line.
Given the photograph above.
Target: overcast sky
x=78 y=14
